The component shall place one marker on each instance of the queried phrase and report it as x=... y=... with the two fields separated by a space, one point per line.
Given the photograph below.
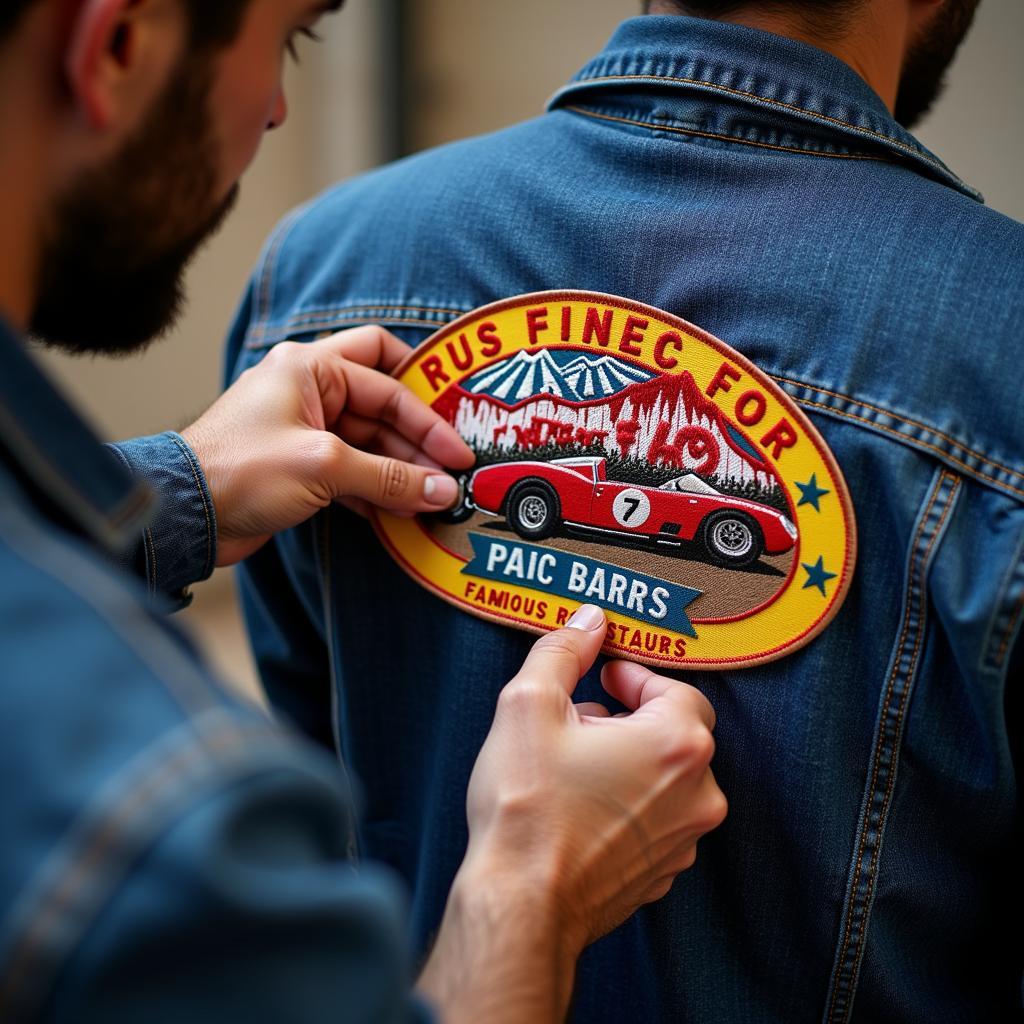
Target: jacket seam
x=887 y=745
x=322 y=541
x=661 y=126
x=903 y=419
x=781 y=104
x=149 y=547
x=315 y=316
x=1005 y=622
x=99 y=857
x=378 y=307
x=270 y=264
x=1011 y=628
x=946 y=456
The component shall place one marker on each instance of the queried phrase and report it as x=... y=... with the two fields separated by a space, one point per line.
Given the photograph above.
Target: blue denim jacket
x=757 y=187
x=167 y=853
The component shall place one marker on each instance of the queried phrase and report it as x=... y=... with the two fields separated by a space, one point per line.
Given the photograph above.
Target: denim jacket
x=870 y=866
x=168 y=853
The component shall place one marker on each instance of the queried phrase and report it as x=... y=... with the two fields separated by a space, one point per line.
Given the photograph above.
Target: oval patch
x=628 y=459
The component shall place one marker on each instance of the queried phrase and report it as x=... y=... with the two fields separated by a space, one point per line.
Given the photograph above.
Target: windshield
x=689 y=484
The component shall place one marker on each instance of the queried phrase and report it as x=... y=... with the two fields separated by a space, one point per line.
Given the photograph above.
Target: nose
x=278 y=112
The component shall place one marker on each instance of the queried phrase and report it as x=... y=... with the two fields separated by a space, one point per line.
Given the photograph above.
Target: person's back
x=759 y=189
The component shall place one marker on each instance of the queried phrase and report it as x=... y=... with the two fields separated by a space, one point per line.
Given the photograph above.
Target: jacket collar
x=44 y=439
x=780 y=76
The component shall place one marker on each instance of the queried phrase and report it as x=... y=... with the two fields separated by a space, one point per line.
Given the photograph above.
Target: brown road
x=725 y=592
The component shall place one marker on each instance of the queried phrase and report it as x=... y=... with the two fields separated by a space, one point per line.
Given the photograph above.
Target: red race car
x=538 y=498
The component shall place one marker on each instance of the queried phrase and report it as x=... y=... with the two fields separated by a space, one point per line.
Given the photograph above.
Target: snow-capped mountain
x=523 y=376
x=601 y=377
x=530 y=374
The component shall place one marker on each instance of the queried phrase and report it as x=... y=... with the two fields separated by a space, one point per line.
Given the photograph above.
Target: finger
x=591 y=709
x=380 y=439
x=396 y=447
x=390 y=483
x=562 y=657
x=374 y=396
x=370 y=345
x=635 y=686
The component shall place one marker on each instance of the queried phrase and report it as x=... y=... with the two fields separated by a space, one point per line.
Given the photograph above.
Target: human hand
x=321 y=422
x=602 y=811
x=576 y=819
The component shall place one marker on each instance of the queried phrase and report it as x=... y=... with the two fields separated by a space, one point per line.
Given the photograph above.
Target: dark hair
x=823 y=15
x=213 y=22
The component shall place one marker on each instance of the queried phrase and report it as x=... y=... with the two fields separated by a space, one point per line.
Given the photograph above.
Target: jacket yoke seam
x=946 y=456
x=903 y=419
x=661 y=126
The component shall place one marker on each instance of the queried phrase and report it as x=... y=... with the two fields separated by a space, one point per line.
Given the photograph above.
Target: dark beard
x=113 y=267
x=929 y=57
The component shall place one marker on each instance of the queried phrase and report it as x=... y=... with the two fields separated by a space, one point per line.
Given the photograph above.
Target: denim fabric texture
x=179 y=546
x=869 y=869
x=168 y=853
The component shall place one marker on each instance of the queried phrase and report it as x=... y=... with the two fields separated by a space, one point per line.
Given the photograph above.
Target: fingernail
x=440 y=490
x=587 y=617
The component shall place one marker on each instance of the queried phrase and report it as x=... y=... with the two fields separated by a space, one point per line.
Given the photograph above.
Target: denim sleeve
x=179 y=547
x=246 y=910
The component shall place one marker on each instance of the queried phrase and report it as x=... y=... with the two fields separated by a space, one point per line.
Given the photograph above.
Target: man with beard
x=170 y=854
x=747 y=167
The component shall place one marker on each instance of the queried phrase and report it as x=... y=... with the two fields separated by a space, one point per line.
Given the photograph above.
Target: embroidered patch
x=628 y=459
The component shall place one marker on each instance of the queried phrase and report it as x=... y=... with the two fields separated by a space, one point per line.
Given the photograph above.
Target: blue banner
x=582 y=579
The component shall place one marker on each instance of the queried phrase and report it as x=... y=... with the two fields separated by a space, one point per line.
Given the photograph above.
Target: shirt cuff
x=179 y=547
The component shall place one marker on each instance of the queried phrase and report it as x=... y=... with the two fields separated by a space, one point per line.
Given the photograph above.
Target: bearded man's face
x=928 y=58
x=121 y=237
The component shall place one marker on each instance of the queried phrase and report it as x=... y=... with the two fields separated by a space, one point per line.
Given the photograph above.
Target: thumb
x=391 y=483
x=562 y=657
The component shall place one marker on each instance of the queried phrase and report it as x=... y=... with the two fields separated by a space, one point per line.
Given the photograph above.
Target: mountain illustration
x=527 y=375
x=663 y=419
x=602 y=377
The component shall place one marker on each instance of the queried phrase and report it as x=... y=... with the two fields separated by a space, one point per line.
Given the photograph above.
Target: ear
x=117 y=52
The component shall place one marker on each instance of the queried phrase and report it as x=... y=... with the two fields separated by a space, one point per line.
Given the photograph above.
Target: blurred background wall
x=395 y=76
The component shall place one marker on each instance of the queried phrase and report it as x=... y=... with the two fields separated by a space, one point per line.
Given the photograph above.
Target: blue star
x=812 y=493
x=817 y=576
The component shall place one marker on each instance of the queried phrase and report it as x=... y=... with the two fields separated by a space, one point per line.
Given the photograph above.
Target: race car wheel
x=732 y=538
x=534 y=510
x=460 y=511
